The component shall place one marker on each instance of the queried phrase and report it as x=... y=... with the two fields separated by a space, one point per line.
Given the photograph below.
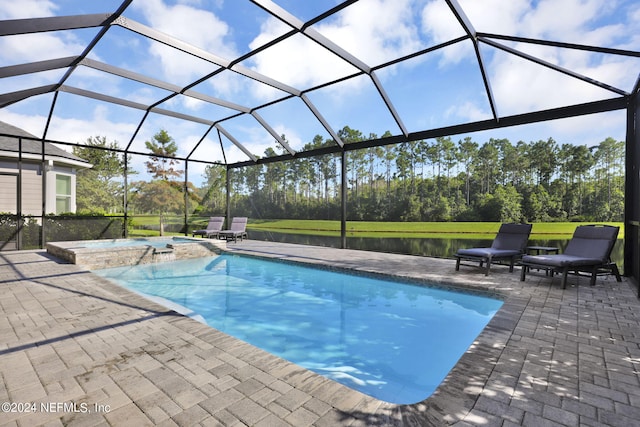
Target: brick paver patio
x=76 y=349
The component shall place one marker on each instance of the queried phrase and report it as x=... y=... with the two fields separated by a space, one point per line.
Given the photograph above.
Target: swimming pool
x=393 y=341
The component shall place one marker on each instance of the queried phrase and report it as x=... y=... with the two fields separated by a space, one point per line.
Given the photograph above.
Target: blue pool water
x=155 y=242
x=390 y=340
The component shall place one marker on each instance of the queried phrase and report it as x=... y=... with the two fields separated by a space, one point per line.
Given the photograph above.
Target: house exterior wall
x=8 y=192
x=32 y=187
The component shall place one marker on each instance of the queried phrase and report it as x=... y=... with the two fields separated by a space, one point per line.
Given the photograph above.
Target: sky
x=440 y=88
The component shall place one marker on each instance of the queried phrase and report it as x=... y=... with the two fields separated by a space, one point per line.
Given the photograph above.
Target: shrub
x=82 y=227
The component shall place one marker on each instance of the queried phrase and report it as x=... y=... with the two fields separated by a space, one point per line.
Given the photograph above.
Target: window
x=63 y=194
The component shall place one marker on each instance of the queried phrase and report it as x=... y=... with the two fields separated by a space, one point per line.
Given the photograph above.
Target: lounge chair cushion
x=592 y=242
x=512 y=237
x=487 y=252
x=560 y=260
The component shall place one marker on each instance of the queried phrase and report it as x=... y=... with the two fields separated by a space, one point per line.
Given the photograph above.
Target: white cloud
x=376 y=31
x=71 y=129
x=198 y=27
x=373 y=31
x=37 y=47
x=234 y=154
x=581 y=130
x=496 y=16
x=255 y=138
x=230 y=86
x=440 y=26
x=178 y=67
x=559 y=20
x=518 y=85
x=566 y=20
x=575 y=130
x=77 y=130
x=30 y=123
x=24 y=9
x=192 y=103
x=632 y=40
x=468 y=111
x=293 y=138
x=310 y=65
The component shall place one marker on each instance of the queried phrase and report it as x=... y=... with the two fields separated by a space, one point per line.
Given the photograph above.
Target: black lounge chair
x=236 y=230
x=589 y=250
x=213 y=228
x=508 y=245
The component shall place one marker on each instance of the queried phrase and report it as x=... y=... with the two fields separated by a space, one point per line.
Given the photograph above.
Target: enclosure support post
x=632 y=191
x=186 y=197
x=45 y=172
x=19 y=218
x=125 y=199
x=43 y=212
x=343 y=200
x=228 y=196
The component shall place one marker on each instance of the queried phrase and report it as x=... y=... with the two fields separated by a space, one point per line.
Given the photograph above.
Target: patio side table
x=542 y=250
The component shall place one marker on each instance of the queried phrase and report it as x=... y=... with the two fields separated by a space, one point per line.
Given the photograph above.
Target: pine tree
x=163 y=150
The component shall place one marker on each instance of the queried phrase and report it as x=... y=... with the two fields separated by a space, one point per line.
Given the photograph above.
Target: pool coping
x=562 y=357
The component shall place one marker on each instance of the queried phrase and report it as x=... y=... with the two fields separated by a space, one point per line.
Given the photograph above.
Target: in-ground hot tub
x=96 y=254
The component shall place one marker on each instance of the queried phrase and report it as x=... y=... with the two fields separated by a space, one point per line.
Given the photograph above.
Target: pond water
x=441 y=248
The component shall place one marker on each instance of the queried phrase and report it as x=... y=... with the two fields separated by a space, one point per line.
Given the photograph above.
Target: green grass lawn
x=451 y=230
x=139 y=224
x=434 y=230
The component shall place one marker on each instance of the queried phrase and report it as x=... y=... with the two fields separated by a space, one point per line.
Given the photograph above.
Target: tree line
x=443 y=180
x=426 y=180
